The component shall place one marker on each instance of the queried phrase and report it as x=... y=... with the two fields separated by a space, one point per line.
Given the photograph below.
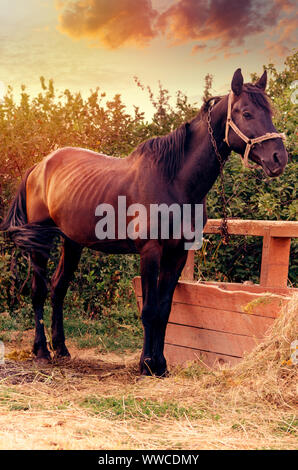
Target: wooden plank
x=236 y=301
x=275 y=261
x=181 y=355
x=253 y=288
x=207 y=340
x=277 y=228
x=212 y=296
x=220 y=320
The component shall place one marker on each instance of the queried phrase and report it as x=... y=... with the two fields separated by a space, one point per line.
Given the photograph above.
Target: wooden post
x=188 y=271
x=275 y=261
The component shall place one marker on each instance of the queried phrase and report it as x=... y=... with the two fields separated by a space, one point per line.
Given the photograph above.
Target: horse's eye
x=247 y=115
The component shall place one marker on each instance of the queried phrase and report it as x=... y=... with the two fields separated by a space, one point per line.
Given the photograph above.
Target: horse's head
x=250 y=130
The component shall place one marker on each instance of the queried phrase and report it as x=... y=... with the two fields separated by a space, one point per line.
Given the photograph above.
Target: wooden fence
x=219 y=322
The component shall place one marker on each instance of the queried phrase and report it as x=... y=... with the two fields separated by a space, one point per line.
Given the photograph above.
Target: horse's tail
x=28 y=237
x=17 y=213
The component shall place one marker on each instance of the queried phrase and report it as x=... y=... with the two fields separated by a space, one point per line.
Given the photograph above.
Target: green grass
x=14 y=401
x=18 y=407
x=289 y=426
x=138 y=408
x=11 y=323
x=119 y=330
x=110 y=333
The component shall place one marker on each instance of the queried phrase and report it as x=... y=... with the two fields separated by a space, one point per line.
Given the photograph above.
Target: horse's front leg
x=172 y=264
x=150 y=263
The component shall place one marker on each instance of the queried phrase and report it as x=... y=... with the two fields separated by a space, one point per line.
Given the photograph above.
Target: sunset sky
x=82 y=44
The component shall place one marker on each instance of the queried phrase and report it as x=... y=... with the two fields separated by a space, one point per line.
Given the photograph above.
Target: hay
x=266 y=374
x=249 y=406
x=268 y=369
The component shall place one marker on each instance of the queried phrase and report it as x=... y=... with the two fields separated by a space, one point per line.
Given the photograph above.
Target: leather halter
x=249 y=142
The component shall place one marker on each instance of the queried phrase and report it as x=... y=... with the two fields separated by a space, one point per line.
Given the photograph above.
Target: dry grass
x=95 y=401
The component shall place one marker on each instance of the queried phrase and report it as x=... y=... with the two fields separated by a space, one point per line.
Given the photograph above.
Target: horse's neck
x=202 y=167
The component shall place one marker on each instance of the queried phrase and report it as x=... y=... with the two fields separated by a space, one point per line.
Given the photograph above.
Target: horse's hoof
x=42 y=360
x=41 y=354
x=162 y=375
x=161 y=370
x=62 y=353
x=143 y=377
x=147 y=367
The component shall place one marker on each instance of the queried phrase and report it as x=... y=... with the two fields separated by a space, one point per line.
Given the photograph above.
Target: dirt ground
x=94 y=401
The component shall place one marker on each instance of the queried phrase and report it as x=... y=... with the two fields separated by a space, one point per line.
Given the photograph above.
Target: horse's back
x=76 y=156
x=67 y=185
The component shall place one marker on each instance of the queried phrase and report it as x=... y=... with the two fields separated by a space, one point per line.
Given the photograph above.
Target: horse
x=59 y=195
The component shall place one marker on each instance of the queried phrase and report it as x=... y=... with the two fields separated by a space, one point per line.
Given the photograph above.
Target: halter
x=249 y=142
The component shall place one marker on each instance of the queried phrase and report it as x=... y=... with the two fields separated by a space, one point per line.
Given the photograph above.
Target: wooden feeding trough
x=219 y=322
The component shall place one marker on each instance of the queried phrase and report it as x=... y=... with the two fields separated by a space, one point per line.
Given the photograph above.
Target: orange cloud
x=219 y=25
x=198 y=47
x=113 y=23
x=285 y=5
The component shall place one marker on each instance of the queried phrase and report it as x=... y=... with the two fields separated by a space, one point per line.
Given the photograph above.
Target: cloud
x=286 y=31
x=198 y=47
x=285 y=5
x=113 y=23
x=219 y=26
x=225 y=22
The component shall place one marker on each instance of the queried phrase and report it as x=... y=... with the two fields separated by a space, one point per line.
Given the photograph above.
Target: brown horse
x=59 y=195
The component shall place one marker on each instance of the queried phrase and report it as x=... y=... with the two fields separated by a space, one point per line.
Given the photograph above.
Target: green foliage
x=250 y=195
x=101 y=291
x=280 y=90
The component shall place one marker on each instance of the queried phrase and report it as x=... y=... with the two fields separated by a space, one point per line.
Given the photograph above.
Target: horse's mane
x=166 y=151
x=258 y=96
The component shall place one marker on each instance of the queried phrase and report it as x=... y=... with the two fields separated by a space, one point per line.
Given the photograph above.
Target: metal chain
x=224 y=225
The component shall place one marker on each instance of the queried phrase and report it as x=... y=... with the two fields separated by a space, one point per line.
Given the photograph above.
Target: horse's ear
x=262 y=82
x=237 y=82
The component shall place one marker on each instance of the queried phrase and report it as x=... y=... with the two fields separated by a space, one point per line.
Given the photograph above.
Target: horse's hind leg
x=71 y=253
x=39 y=293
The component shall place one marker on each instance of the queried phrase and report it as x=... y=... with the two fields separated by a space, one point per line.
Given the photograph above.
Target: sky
x=82 y=44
